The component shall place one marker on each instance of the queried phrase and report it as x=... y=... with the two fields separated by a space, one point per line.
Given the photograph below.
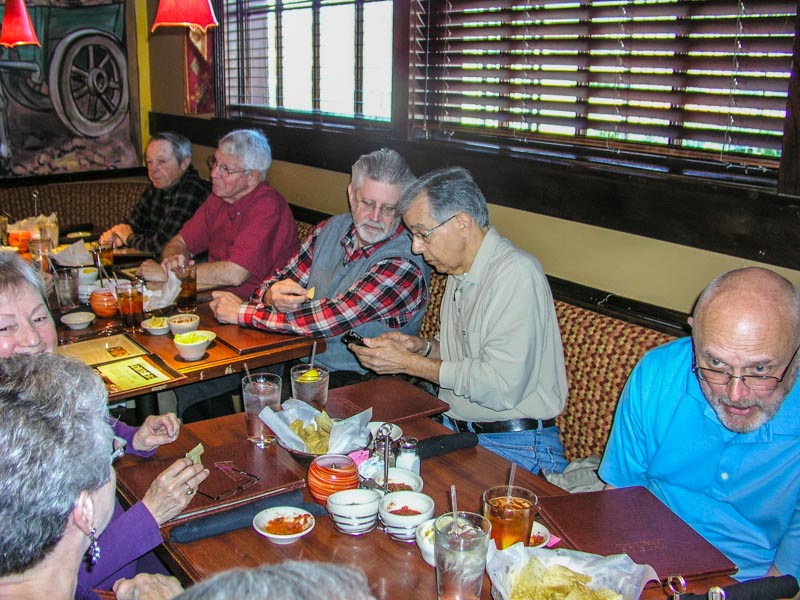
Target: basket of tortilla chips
x=523 y=573
x=307 y=433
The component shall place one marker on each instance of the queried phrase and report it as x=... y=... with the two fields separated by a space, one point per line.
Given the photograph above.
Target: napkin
x=617 y=572
x=346 y=434
x=766 y=588
x=165 y=295
x=238 y=518
x=74 y=255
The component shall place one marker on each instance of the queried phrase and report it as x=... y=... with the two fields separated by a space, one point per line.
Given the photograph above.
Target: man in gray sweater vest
x=355 y=272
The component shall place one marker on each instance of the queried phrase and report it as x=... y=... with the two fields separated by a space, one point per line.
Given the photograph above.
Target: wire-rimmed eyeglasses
x=423 y=237
x=211 y=162
x=251 y=481
x=758 y=383
x=385 y=209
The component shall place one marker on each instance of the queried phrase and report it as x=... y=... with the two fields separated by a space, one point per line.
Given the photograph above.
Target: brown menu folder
x=245 y=341
x=633 y=521
x=391 y=399
x=232 y=467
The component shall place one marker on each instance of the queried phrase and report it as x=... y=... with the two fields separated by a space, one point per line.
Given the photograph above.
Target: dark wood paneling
x=743 y=221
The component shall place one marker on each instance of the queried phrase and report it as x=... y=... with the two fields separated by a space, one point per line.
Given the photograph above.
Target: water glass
x=260 y=390
x=187 y=299
x=309 y=387
x=66 y=285
x=130 y=299
x=38 y=249
x=511 y=510
x=460 y=554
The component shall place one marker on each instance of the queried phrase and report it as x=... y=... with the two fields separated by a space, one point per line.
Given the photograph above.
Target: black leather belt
x=502 y=426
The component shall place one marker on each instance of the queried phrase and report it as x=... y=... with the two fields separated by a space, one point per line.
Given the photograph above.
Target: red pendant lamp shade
x=197 y=14
x=17 y=28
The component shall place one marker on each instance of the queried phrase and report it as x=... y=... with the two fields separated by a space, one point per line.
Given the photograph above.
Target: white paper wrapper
x=74 y=255
x=617 y=572
x=346 y=435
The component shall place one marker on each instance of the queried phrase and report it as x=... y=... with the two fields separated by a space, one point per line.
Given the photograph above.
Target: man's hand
x=225 y=306
x=286 y=295
x=117 y=236
x=173 y=489
x=147 y=586
x=152 y=271
x=176 y=260
x=156 y=431
x=389 y=353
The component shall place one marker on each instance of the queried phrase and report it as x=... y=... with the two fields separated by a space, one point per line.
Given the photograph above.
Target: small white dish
x=74 y=235
x=192 y=344
x=401 y=512
x=424 y=539
x=540 y=536
x=87 y=275
x=183 y=323
x=395 y=434
x=280 y=518
x=401 y=479
x=156 y=325
x=78 y=320
x=354 y=512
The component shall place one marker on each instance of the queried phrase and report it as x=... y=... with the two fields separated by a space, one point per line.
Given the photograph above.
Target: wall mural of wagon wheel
x=65 y=107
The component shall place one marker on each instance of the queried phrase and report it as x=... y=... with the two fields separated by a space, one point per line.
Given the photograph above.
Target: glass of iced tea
x=187 y=298
x=130 y=299
x=510 y=510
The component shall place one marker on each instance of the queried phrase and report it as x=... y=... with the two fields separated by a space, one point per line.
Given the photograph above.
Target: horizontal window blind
x=328 y=57
x=678 y=76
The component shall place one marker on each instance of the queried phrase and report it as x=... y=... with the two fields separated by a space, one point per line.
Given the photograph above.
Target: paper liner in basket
x=617 y=573
x=346 y=435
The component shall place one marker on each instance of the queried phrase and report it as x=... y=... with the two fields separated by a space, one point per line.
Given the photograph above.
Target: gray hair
x=55 y=442
x=181 y=146
x=298 y=580
x=449 y=191
x=16 y=273
x=251 y=146
x=384 y=166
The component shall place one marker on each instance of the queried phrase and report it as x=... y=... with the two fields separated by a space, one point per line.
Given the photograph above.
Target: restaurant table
x=395 y=570
x=222 y=357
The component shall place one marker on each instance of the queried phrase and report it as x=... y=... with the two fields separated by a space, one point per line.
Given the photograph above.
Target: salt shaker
x=407 y=457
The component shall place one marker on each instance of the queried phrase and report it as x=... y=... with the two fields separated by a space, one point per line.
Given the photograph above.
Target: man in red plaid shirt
x=359 y=265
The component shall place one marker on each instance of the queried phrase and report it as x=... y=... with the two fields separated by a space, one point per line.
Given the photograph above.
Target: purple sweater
x=130 y=535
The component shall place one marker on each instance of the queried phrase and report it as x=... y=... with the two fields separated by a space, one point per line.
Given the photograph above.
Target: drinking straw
x=246 y=370
x=313 y=353
x=511 y=476
x=455 y=507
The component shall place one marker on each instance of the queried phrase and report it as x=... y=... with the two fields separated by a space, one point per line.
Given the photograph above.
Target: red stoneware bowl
x=331 y=473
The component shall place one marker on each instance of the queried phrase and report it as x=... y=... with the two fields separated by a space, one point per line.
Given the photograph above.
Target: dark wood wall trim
x=748 y=222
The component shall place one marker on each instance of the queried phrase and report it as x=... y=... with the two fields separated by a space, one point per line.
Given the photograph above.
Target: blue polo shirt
x=740 y=491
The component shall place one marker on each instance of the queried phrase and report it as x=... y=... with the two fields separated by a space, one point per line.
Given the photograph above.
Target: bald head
x=751 y=298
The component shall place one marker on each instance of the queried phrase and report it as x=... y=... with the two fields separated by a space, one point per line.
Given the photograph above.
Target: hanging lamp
x=17 y=28
x=195 y=14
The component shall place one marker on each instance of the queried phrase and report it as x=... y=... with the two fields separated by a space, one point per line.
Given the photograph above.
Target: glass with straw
x=511 y=510
x=260 y=390
x=461 y=540
x=310 y=382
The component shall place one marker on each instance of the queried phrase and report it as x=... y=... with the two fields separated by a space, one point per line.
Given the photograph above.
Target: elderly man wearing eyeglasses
x=498 y=358
x=359 y=266
x=245 y=225
x=709 y=423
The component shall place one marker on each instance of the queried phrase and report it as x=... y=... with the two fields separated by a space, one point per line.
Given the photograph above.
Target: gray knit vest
x=330 y=276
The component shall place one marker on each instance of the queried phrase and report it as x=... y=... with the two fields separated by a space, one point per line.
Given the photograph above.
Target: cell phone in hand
x=351 y=337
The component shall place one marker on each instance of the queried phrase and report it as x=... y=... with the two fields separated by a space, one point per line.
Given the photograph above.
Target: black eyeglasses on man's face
x=756 y=383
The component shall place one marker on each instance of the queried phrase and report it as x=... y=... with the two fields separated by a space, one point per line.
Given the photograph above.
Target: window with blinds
x=685 y=77
x=323 y=57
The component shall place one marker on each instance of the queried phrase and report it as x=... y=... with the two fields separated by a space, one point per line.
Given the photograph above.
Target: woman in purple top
x=26 y=327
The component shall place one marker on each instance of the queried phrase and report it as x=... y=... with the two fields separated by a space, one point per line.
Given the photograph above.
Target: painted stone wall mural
x=67 y=104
